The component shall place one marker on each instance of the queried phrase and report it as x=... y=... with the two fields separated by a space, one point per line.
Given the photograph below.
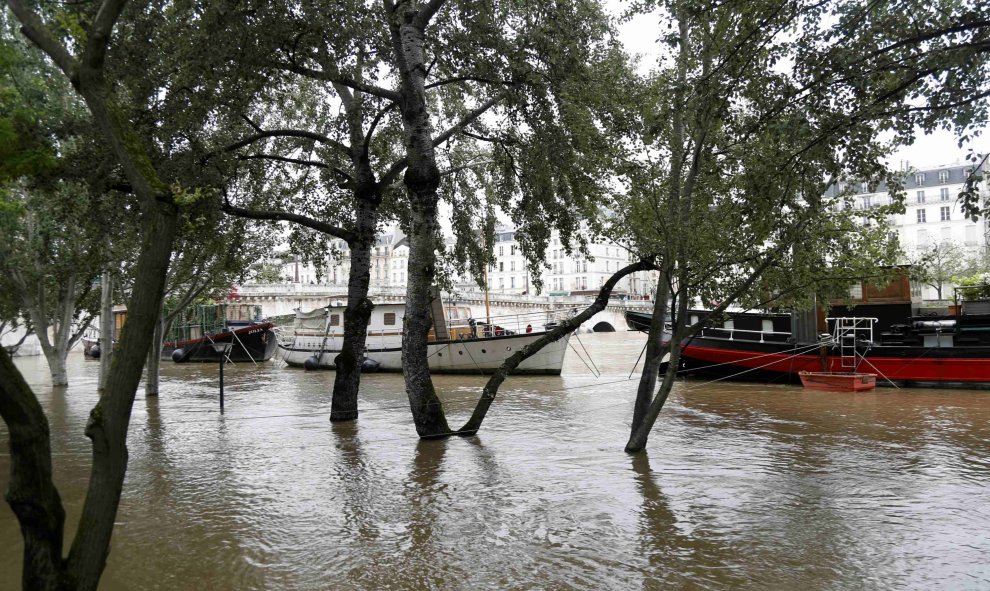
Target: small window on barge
x=389 y=319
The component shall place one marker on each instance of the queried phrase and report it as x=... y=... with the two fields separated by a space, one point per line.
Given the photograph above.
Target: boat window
x=767 y=325
x=335 y=320
x=729 y=324
x=389 y=319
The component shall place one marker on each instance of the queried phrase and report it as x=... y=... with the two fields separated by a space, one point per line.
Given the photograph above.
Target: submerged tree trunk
x=106 y=328
x=152 y=377
x=646 y=415
x=424 y=403
x=347 y=382
x=108 y=421
x=422 y=178
x=31 y=494
x=655 y=350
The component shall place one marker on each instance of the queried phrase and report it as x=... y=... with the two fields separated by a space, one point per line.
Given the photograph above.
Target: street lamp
x=222 y=349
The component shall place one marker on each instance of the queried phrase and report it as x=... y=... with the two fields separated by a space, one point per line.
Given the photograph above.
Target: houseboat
x=881 y=331
x=458 y=342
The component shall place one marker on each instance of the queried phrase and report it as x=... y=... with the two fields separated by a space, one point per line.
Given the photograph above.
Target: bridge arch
x=603 y=327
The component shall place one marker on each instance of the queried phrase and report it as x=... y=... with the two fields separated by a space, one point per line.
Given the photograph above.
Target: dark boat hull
x=638 y=320
x=938 y=367
x=256 y=343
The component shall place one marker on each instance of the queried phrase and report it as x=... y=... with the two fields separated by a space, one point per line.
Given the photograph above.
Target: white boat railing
x=748 y=335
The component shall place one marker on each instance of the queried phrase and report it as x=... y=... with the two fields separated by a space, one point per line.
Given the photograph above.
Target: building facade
x=563 y=273
x=933 y=213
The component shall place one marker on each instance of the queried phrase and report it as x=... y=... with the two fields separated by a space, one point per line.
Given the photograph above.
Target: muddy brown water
x=744 y=486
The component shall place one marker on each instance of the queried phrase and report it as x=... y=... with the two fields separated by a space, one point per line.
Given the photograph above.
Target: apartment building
x=933 y=213
x=564 y=273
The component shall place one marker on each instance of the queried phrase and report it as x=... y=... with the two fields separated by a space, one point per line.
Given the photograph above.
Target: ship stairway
x=846 y=333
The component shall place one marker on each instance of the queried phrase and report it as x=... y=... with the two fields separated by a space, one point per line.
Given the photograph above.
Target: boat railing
x=732 y=334
x=509 y=324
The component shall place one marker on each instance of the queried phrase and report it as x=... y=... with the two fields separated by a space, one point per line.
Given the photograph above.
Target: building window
x=945 y=213
x=512 y=281
x=501 y=266
x=867 y=202
x=501 y=250
x=920 y=196
x=944 y=193
x=512 y=265
x=501 y=282
x=512 y=249
x=921 y=216
x=970 y=235
x=919 y=179
x=335 y=320
x=922 y=238
x=943 y=176
x=584 y=266
x=389 y=319
x=864 y=187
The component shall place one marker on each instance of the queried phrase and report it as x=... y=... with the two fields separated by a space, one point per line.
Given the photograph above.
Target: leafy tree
x=936 y=264
x=150 y=90
x=49 y=262
x=757 y=111
x=505 y=132
x=49 y=211
x=521 y=61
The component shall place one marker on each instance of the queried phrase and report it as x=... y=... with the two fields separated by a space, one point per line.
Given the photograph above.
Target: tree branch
x=284 y=216
x=299 y=133
x=98 y=38
x=427 y=12
x=34 y=29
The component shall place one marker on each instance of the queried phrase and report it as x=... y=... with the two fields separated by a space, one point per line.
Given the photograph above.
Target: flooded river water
x=744 y=486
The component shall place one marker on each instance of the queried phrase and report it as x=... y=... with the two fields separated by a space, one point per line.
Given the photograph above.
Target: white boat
x=458 y=343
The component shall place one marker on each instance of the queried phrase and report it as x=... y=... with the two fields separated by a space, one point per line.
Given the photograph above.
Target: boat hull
x=939 y=367
x=471 y=356
x=256 y=343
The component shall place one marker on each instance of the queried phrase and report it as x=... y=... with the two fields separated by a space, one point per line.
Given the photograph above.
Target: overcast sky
x=639 y=37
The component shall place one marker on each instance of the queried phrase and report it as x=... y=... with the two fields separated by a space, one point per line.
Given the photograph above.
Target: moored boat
x=458 y=343
x=938 y=351
x=193 y=335
x=838 y=381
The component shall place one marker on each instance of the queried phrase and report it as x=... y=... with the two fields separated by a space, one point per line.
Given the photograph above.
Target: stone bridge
x=284 y=299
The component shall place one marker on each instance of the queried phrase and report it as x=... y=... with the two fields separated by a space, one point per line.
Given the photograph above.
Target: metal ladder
x=846 y=333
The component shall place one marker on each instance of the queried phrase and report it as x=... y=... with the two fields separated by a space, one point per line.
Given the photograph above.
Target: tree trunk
x=106 y=328
x=640 y=432
x=655 y=350
x=422 y=177
x=56 y=365
x=347 y=382
x=31 y=494
x=154 y=364
x=427 y=410
x=109 y=419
